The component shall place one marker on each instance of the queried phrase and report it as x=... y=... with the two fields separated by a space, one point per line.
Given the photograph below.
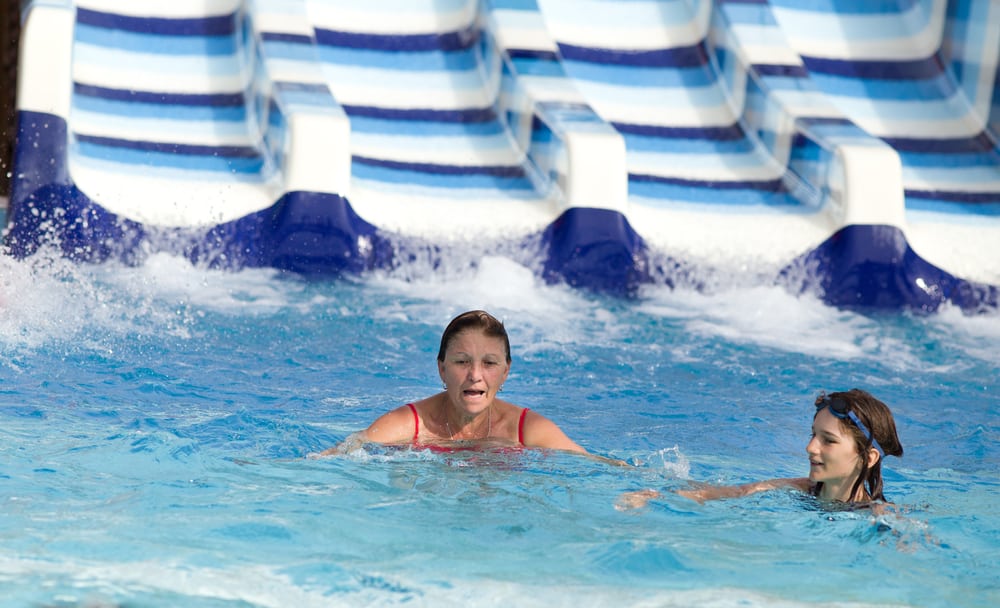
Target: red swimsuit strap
x=416 y=422
x=520 y=427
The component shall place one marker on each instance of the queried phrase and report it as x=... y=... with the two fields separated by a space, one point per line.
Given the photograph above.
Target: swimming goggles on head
x=842 y=409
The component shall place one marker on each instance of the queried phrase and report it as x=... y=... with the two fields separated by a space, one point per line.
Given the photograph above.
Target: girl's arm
x=709 y=492
x=702 y=492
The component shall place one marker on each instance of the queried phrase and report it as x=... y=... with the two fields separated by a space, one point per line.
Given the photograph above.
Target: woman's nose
x=813 y=446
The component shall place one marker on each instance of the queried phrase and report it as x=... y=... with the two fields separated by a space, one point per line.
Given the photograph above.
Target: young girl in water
x=851 y=433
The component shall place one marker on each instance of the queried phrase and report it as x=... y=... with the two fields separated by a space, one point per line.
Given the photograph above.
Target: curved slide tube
x=844 y=149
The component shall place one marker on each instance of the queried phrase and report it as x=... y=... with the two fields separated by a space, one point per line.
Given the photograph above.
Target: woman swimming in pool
x=851 y=433
x=473 y=362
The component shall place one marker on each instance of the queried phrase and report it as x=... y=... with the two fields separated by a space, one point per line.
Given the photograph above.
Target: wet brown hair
x=877 y=417
x=474 y=319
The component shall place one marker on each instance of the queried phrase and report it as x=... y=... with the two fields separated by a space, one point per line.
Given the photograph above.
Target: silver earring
x=444 y=386
x=501 y=388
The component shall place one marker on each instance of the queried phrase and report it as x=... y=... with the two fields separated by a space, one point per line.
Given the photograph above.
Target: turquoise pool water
x=155 y=424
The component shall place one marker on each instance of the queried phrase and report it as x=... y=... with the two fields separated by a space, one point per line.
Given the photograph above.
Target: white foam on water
x=98 y=584
x=771 y=317
x=45 y=297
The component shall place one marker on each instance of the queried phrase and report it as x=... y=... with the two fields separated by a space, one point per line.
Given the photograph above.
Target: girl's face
x=833 y=456
x=474 y=368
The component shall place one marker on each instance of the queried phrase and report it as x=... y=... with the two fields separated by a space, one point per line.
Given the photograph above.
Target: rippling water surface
x=156 y=423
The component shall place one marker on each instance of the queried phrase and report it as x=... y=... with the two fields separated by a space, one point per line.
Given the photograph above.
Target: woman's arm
x=702 y=492
x=540 y=432
x=392 y=427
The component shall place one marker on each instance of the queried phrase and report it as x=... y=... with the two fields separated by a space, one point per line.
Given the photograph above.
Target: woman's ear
x=873 y=457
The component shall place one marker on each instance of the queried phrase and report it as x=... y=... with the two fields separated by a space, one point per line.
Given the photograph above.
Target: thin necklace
x=489 y=426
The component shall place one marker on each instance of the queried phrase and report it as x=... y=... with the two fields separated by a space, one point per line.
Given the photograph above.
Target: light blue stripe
x=953 y=208
x=514 y=5
x=938 y=88
x=640 y=76
x=748 y=14
x=427 y=61
x=860 y=7
x=711 y=196
x=281 y=49
x=366 y=124
x=644 y=143
x=937 y=161
x=156 y=44
x=539 y=67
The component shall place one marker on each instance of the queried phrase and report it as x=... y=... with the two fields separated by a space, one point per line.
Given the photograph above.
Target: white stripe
x=411 y=93
x=661 y=106
x=181 y=198
x=830 y=41
x=294 y=70
x=173 y=9
x=400 y=18
x=522 y=30
x=471 y=213
x=711 y=167
x=626 y=25
x=960 y=179
x=763 y=44
x=903 y=118
x=151 y=72
x=552 y=89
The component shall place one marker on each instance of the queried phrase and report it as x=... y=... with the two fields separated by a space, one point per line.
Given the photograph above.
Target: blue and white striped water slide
x=843 y=148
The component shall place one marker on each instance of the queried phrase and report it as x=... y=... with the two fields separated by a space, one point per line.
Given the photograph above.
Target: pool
x=156 y=423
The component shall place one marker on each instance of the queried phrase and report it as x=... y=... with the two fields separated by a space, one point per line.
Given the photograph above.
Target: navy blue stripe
x=283 y=37
x=678 y=57
x=221 y=25
x=171 y=148
x=769 y=185
x=451 y=41
x=788 y=71
x=179 y=99
x=491 y=170
x=955 y=196
x=824 y=120
x=960 y=145
x=420 y=114
x=916 y=69
x=728 y=133
x=533 y=54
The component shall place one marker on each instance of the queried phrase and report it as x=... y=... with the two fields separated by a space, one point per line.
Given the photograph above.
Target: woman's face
x=833 y=455
x=474 y=368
